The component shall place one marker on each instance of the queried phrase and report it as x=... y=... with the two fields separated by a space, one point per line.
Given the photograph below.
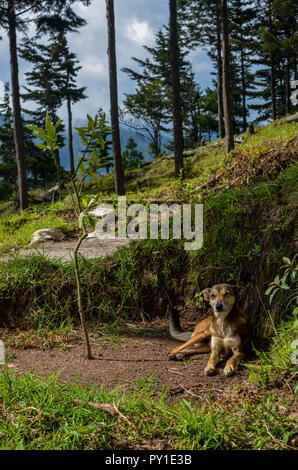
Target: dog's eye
x=227 y=294
x=212 y=296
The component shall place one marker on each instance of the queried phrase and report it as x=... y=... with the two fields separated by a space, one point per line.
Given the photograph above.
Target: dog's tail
x=175 y=329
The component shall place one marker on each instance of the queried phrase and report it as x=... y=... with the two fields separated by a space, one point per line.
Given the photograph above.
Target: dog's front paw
x=210 y=371
x=229 y=370
x=174 y=356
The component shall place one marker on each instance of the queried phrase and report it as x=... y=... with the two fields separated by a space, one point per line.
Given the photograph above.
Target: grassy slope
x=155 y=181
x=248 y=228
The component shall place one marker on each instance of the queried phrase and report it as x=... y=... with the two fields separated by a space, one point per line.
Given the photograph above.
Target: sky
x=137 y=22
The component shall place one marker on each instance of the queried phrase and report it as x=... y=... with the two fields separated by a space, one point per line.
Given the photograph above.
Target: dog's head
x=222 y=298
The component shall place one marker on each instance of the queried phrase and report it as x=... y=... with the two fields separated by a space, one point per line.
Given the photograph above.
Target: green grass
x=247 y=231
x=130 y=282
x=41 y=414
x=280 y=362
x=16 y=228
x=155 y=181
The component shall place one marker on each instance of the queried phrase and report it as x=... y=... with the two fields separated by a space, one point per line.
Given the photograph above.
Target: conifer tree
x=151 y=102
x=226 y=78
x=176 y=89
x=201 y=26
x=118 y=170
x=242 y=25
x=131 y=157
x=15 y=16
x=8 y=166
x=40 y=165
x=52 y=81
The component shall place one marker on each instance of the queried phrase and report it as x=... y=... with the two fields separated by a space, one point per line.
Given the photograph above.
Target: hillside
x=249 y=199
x=250 y=212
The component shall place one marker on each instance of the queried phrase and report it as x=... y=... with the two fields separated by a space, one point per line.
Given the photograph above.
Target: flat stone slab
x=90 y=248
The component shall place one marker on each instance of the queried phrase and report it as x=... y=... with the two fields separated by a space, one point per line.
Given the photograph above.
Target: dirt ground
x=138 y=353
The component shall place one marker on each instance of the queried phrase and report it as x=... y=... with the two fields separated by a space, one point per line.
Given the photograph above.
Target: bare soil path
x=135 y=357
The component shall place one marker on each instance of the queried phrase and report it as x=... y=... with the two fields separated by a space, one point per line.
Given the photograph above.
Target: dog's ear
x=240 y=291
x=206 y=293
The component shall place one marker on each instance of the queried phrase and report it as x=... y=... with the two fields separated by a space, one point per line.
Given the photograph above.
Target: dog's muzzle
x=218 y=307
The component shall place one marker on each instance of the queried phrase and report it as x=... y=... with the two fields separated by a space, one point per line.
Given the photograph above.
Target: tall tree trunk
x=226 y=78
x=221 y=129
x=175 y=82
x=273 y=88
x=16 y=104
x=195 y=132
x=118 y=170
x=156 y=143
x=70 y=138
x=243 y=85
x=288 y=85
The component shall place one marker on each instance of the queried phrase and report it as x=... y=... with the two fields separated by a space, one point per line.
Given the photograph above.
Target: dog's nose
x=218 y=307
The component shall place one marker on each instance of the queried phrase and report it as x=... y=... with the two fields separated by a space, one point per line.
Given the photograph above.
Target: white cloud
x=140 y=32
x=137 y=21
x=93 y=67
x=203 y=67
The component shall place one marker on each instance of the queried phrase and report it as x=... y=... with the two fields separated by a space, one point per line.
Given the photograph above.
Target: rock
x=50 y=195
x=92 y=235
x=45 y=234
x=101 y=211
x=239 y=139
x=203 y=142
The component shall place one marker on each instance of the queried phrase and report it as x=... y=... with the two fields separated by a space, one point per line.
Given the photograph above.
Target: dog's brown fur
x=226 y=333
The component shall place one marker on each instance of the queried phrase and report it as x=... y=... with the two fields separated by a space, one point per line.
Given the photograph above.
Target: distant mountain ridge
x=125 y=134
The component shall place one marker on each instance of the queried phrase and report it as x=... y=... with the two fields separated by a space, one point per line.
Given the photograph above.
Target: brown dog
x=225 y=333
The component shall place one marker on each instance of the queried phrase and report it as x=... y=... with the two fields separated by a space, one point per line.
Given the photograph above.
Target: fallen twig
x=173 y=371
x=112 y=410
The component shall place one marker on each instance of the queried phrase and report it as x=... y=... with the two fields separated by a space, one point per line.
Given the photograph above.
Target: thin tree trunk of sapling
x=92 y=138
x=79 y=293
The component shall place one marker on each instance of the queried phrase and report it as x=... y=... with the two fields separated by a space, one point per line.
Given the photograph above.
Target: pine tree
x=226 y=78
x=176 y=89
x=242 y=16
x=148 y=109
x=276 y=61
x=131 y=157
x=118 y=170
x=66 y=72
x=151 y=102
x=52 y=82
x=8 y=164
x=201 y=26
x=43 y=87
x=40 y=165
x=15 y=15
x=285 y=13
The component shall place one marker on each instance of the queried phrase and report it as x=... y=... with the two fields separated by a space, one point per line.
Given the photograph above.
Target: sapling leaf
x=269 y=290
x=80 y=219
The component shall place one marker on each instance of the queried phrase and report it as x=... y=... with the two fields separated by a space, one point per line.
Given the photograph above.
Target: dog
x=225 y=334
